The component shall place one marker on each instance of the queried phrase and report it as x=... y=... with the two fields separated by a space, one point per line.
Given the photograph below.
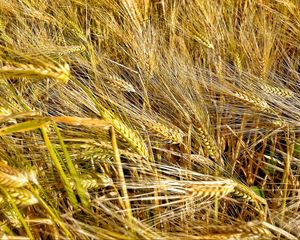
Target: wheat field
x=149 y=119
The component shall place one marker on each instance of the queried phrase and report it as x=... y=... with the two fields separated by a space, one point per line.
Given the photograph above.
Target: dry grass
x=149 y=119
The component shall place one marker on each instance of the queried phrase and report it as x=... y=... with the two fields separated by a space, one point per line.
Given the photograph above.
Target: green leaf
x=25 y=126
x=258 y=191
x=296 y=149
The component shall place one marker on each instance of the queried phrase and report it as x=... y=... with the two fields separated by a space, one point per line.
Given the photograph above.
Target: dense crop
x=140 y=119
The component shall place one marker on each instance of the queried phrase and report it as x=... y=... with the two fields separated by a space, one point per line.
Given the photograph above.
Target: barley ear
x=203 y=40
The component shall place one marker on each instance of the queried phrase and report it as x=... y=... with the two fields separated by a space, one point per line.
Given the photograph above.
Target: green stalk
x=80 y=190
x=19 y=214
x=51 y=211
x=59 y=168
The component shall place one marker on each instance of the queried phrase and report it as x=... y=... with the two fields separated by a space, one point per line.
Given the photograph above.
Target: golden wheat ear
x=204 y=41
x=175 y=135
x=130 y=135
x=282 y=92
x=252 y=99
x=12 y=178
x=21 y=70
x=118 y=83
x=208 y=142
x=210 y=189
x=66 y=50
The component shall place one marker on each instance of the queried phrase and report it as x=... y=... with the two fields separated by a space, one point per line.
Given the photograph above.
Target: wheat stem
x=72 y=169
x=18 y=213
x=121 y=174
x=59 y=169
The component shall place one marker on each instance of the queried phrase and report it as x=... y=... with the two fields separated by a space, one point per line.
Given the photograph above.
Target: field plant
x=149 y=119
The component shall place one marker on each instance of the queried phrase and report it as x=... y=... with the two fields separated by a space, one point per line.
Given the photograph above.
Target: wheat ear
x=98 y=154
x=78 y=121
x=131 y=136
x=282 y=92
x=118 y=83
x=257 y=102
x=93 y=183
x=11 y=216
x=260 y=203
x=2 y=26
x=238 y=64
x=173 y=134
x=207 y=142
x=71 y=49
x=210 y=189
x=22 y=197
x=19 y=70
x=127 y=133
x=255 y=227
x=10 y=177
x=203 y=40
